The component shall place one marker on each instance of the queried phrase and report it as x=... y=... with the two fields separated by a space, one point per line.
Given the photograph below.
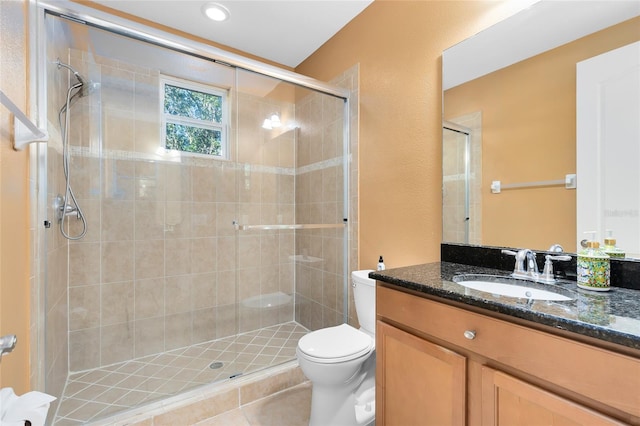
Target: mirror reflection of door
x=608 y=142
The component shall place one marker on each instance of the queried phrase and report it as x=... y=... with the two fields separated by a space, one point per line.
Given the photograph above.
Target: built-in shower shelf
x=24 y=131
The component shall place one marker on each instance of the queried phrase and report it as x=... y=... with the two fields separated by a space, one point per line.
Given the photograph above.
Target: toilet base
x=346 y=405
x=331 y=407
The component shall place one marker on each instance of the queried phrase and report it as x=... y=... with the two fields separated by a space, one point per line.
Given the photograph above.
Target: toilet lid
x=333 y=344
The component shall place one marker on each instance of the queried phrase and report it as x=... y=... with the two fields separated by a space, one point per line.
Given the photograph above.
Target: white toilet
x=340 y=363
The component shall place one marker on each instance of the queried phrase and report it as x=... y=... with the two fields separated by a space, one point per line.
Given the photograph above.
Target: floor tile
x=104 y=391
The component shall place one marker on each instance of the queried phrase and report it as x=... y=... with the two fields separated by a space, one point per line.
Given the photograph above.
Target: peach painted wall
x=398 y=45
x=531 y=144
x=14 y=208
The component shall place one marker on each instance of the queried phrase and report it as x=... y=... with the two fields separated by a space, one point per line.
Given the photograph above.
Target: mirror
x=509 y=122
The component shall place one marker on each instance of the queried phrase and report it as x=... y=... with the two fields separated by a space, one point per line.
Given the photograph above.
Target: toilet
x=340 y=363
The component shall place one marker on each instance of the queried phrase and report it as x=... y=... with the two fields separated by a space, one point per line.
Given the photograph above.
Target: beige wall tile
x=149 y=259
x=231 y=418
x=203 y=290
x=200 y=410
x=149 y=336
x=149 y=298
x=116 y=342
x=84 y=307
x=117 y=220
x=84 y=349
x=84 y=264
x=178 y=183
x=270 y=385
x=204 y=183
x=178 y=294
x=177 y=219
x=149 y=181
x=149 y=220
x=203 y=255
x=204 y=325
x=203 y=219
x=117 y=303
x=178 y=330
x=177 y=257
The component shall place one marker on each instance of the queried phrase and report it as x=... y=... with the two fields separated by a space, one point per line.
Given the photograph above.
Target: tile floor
x=104 y=391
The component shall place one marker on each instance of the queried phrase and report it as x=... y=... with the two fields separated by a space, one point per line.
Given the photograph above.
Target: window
x=194 y=117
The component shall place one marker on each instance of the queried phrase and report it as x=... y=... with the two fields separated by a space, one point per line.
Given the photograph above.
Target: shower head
x=86 y=87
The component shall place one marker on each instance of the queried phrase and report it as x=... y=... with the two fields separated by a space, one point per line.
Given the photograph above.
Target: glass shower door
x=455 y=184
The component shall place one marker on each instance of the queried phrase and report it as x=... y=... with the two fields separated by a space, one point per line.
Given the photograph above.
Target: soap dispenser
x=381 y=266
x=594 y=269
x=610 y=246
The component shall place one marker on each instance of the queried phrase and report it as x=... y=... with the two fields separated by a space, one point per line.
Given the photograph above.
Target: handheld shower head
x=86 y=87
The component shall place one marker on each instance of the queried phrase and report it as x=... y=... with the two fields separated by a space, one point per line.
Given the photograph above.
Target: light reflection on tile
x=99 y=393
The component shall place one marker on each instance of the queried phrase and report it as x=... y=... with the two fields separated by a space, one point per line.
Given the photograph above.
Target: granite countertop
x=612 y=316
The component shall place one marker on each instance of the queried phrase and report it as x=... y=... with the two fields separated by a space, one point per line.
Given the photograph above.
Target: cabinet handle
x=470 y=334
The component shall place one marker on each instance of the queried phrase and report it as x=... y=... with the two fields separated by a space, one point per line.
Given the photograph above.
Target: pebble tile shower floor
x=101 y=392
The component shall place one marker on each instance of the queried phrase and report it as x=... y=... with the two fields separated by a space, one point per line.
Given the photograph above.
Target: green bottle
x=594 y=269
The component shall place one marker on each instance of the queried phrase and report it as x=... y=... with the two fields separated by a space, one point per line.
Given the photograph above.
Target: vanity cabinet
x=442 y=364
x=416 y=367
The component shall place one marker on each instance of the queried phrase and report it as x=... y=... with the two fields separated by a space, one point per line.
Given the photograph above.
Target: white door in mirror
x=608 y=146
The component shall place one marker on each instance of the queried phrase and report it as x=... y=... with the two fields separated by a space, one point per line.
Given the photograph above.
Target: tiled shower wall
x=156 y=270
x=319 y=199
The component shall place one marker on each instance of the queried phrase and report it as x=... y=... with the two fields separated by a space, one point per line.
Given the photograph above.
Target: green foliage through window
x=194 y=118
x=193 y=139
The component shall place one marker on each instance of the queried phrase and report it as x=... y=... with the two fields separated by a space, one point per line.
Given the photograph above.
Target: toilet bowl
x=340 y=363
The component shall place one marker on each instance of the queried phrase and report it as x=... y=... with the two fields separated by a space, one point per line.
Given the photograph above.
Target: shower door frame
x=95 y=18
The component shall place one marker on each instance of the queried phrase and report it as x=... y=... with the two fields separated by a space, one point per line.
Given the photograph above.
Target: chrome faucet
x=532 y=265
x=526 y=266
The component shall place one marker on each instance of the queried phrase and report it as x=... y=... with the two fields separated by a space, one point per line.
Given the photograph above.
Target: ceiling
x=286 y=32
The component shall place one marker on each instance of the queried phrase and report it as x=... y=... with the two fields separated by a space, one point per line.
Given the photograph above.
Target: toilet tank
x=364 y=295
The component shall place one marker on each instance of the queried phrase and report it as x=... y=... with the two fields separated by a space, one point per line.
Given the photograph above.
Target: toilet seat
x=335 y=344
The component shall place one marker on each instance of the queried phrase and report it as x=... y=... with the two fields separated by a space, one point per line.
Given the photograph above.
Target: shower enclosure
x=462 y=180
x=210 y=248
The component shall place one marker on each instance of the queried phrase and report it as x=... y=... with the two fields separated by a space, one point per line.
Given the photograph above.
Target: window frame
x=221 y=126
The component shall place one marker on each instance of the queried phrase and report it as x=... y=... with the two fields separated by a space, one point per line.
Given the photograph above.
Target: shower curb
x=211 y=400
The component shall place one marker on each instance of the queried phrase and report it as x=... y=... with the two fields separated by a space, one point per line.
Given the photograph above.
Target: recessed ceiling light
x=215 y=12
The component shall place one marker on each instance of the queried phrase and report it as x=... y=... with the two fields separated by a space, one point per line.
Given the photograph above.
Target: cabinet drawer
x=605 y=376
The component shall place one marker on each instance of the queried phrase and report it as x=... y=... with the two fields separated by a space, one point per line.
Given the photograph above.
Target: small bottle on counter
x=381 y=266
x=610 y=247
x=594 y=269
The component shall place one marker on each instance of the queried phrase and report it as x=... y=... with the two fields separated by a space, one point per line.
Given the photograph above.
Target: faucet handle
x=518 y=268
x=547 y=274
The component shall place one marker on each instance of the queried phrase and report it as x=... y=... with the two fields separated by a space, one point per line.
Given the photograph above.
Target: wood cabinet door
x=509 y=401
x=417 y=382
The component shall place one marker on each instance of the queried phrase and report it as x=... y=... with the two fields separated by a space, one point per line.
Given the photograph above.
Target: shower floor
x=99 y=393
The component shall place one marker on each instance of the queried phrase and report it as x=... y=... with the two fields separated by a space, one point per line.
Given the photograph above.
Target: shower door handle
x=239 y=227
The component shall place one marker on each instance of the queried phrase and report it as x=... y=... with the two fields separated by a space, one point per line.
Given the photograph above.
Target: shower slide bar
x=25 y=132
x=569 y=182
x=287 y=227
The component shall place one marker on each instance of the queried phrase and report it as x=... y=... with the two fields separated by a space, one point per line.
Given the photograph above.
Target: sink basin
x=512 y=287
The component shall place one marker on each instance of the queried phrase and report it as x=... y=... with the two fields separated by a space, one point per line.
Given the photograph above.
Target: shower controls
x=63 y=209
